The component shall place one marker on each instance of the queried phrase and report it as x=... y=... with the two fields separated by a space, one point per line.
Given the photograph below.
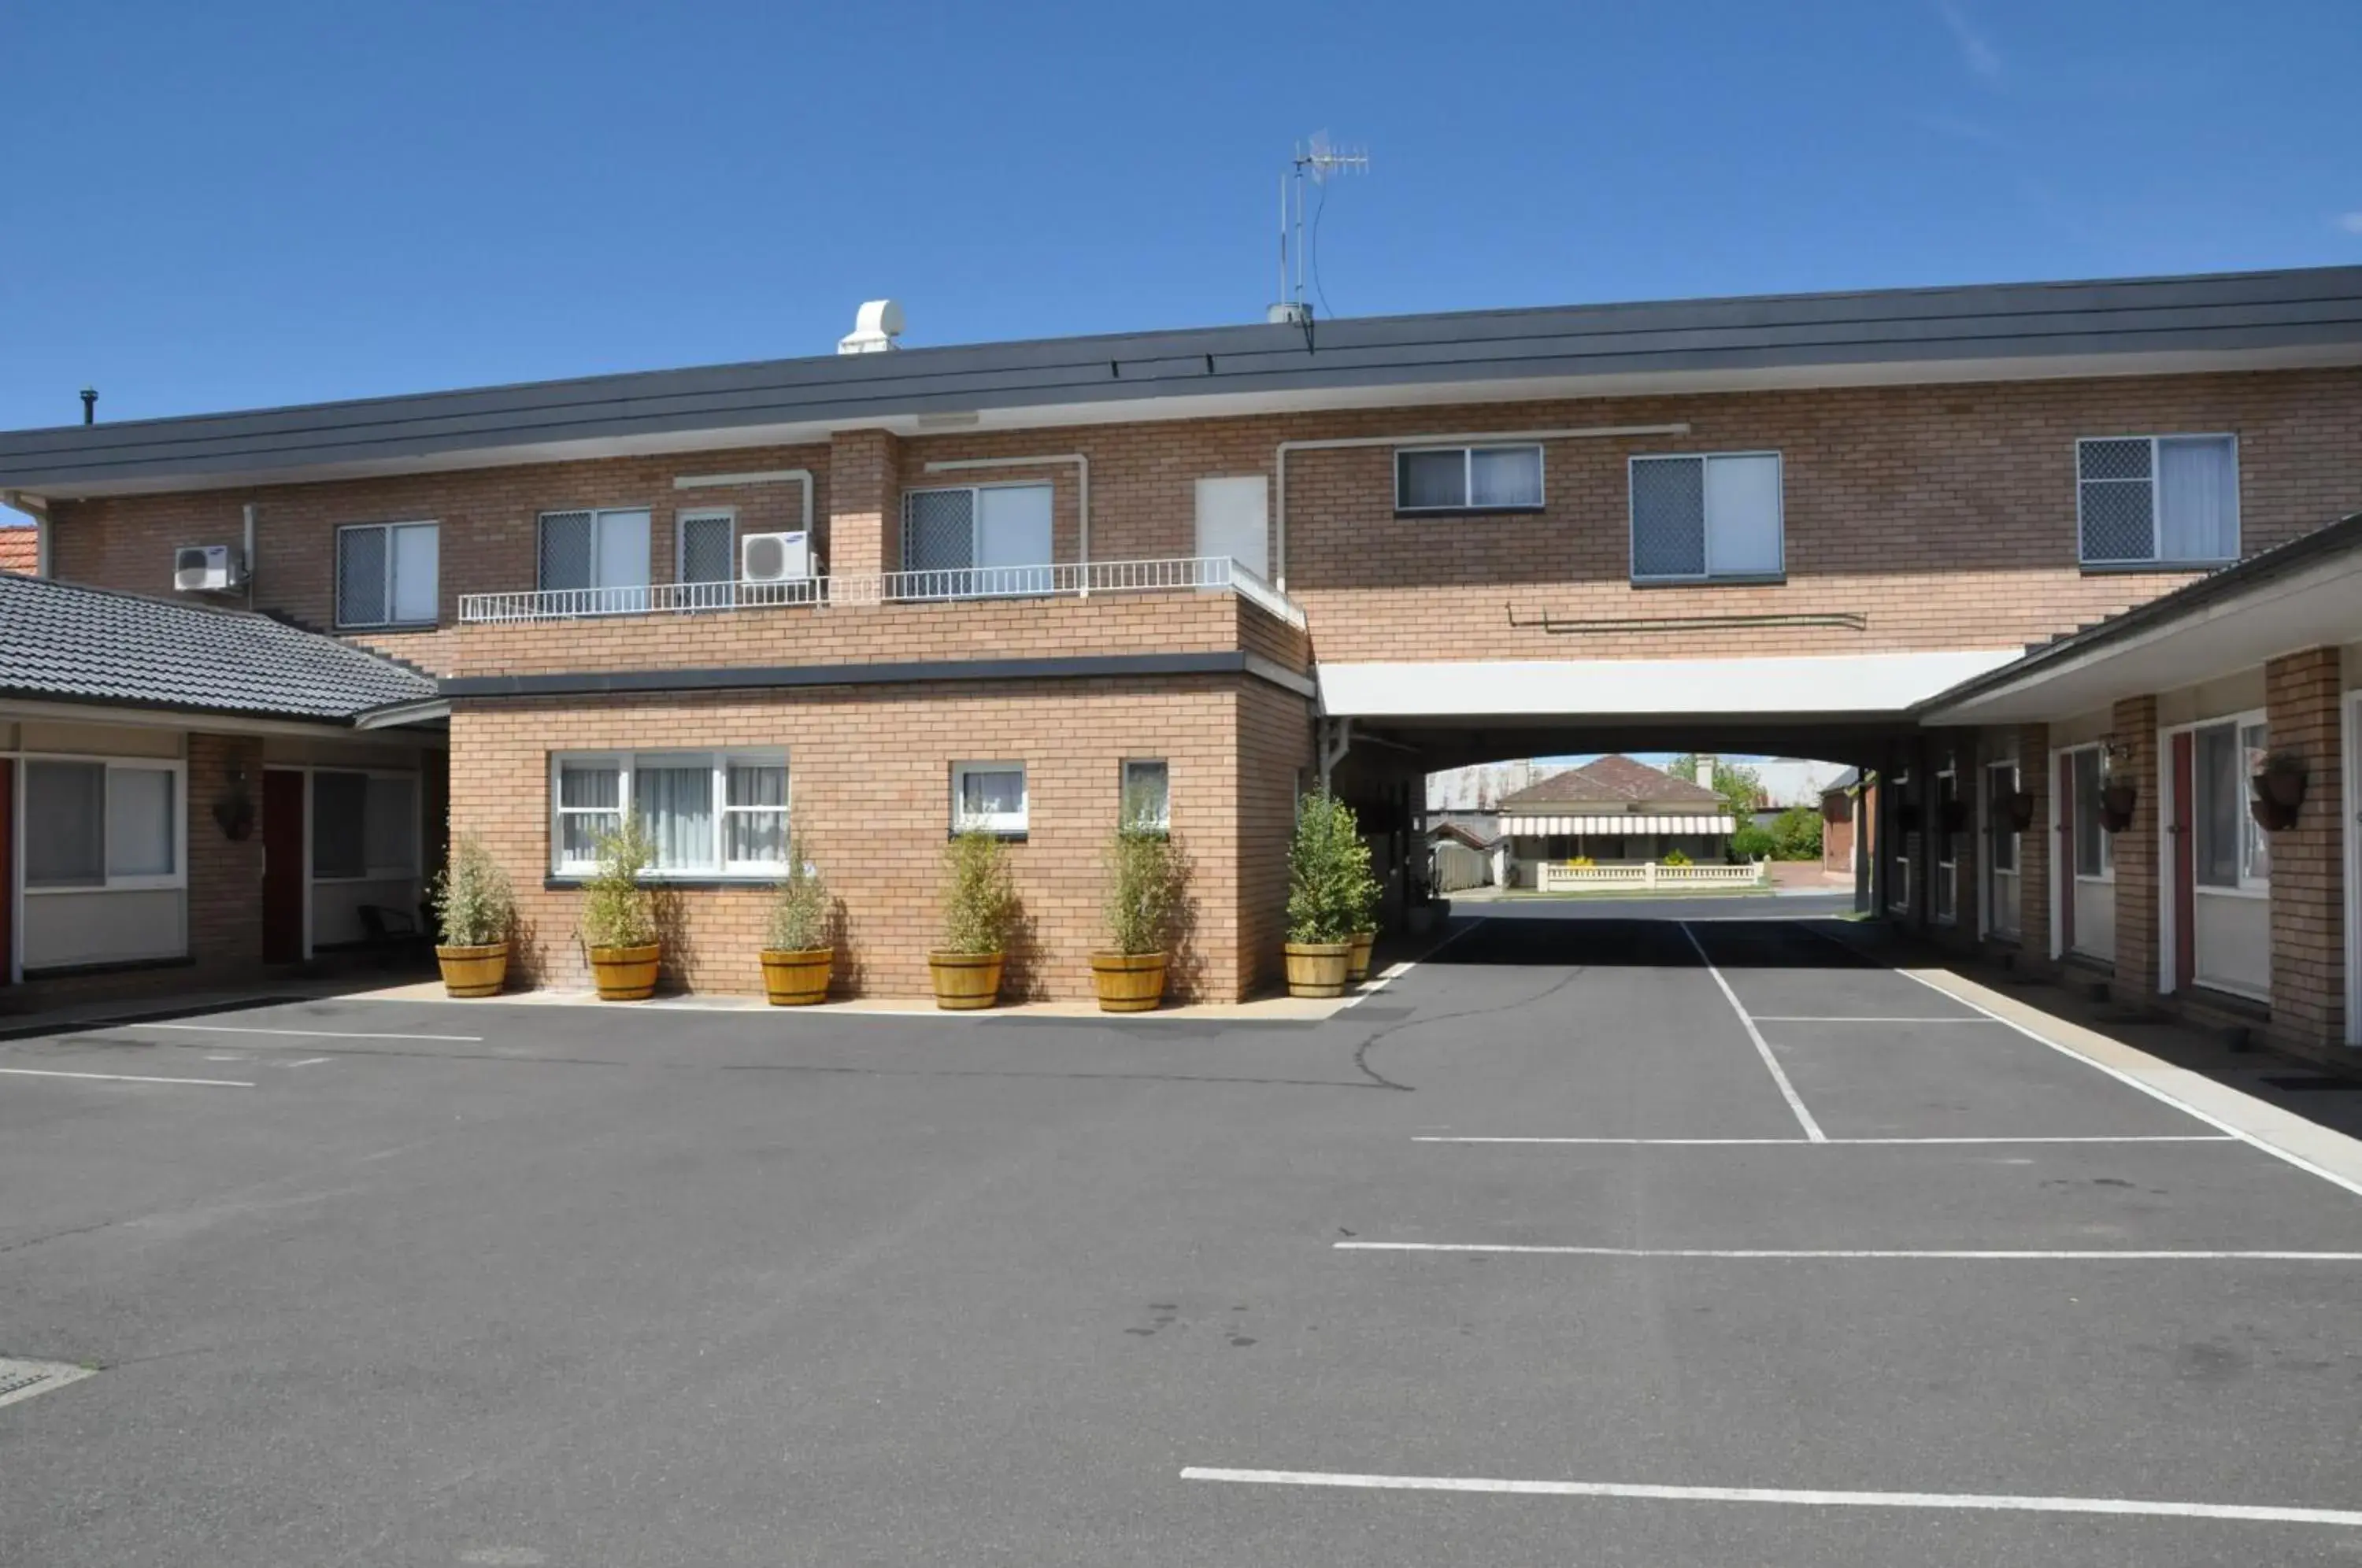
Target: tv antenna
x=1322 y=161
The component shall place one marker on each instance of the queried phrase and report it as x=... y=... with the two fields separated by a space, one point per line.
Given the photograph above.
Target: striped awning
x=1613 y=824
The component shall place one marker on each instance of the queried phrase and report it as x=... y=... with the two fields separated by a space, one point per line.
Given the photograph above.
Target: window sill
x=373 y=878
x=111 y=966
x=1006 y=836
x=2253 y=894
x=344 y=626
x=704 y=882
x=1414 y=514
x=120 y=885
x=1736 y=579
x=2121 y=569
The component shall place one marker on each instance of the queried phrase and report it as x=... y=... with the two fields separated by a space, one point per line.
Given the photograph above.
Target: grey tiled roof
x=91 y=645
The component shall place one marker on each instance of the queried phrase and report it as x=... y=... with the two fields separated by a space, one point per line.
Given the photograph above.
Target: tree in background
x=1752 y=842
x=1740 y=788
x=1796 y=834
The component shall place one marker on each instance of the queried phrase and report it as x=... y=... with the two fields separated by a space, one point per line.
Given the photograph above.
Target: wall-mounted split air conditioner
x=207 y=569
x=774 y=557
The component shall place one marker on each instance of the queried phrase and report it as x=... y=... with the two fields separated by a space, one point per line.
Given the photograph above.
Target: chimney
x=875 y=328
x=1705 y=769
x=90 y=405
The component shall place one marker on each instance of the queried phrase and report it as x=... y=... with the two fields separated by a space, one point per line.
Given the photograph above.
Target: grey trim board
x=745 y=678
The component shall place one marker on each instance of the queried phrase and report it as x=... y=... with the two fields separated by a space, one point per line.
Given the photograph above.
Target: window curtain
x=675 y=804
x=589 y=802
x=65 y=825
x=1506 y=476
x=140 y=826
x=414 y=551
x=991 y=793
x=2198 y=501
x=757 y=821
x=1431 y=478
x=392 y=825
x=339 y=832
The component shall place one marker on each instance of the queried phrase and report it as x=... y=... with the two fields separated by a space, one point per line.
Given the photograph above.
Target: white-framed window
x=386 y=574
x=1948 y=847
x=1704 y=516
x=988 y=795
x=2230 y=850
x=971 y=541
x=2095 y=846
x=706 y=814
x=2001 y=783
x=103 y=824
x=2157 y=500
x=364 y=825
x=1146 y=798
x=1468 y=478
x=1907 y=844
x=601 y=554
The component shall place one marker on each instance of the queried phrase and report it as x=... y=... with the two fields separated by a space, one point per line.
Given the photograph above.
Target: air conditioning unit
x=206 y=569
x=774 y=557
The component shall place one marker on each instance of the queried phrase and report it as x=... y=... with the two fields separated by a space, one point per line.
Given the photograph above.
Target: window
x=2172 y=500
x=1699 y=518
x=603 y=556
x=988 y=795
x=1468 y=478
x=1948 y=847
x=385 y=574
x=2095 y=846
x=2230 y=850
x=2001 y=783
x=708 y=550
x=1147 y=794
x=706 y=813
x=101 y=824
x=364 y=826
x=977 y=541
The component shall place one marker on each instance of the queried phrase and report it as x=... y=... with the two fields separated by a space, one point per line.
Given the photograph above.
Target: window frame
x=176 y=880
x=1001 y=824
x=1468 y=506
x=1994 y=834
x=1706 y=520
x=2155 y=560
x=681 y=518
x=1163 y=822
x=2248 y=885
x=2105 y=840
x=337 y=572
x=369 y=873
x=540 y=526
x=627 y=764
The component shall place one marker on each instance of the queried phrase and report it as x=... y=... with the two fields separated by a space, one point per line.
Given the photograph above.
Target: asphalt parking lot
x=1599 y=1237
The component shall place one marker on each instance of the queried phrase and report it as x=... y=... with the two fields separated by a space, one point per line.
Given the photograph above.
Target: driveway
x=1599 y=1237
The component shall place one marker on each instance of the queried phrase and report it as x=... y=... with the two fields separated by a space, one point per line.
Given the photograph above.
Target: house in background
x=1612 y=811
x=20 y=549
x=1464 y=854
x=1848 y=812
x=1479 y=787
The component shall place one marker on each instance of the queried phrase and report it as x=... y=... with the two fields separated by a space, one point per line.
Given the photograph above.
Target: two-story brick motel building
x=2063 y=563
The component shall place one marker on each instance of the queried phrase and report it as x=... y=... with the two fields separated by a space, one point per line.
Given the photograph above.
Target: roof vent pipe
x=90 y=405
x=875 y=327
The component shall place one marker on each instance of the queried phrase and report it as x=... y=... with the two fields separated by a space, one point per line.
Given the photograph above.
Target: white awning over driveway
x=1830 y=684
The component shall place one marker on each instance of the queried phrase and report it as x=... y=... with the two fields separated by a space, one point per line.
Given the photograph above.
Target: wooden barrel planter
x=1357 y=961
x=473 y=971
x=625 y=974
x=1318 y=968
x=1128 y=982
x=965 y=981
x=796 y=978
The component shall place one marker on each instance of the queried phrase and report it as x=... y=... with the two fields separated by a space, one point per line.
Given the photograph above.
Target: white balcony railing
x=1071 y=579
x=1557 y=877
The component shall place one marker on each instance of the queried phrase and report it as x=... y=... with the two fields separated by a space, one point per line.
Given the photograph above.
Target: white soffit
x=1838 y=683
x=2318 y=608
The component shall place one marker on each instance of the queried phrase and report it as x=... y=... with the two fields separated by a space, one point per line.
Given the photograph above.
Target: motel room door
x=284 y=833
x=8 y=867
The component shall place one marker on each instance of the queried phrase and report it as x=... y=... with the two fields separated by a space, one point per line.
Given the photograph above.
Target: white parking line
x=1787 y=1091
x=123 y=1077
x=299 y=1033
x=1966 y=1501
x=1848 y=1143
x=1794 y=1018
x=1896 y=1253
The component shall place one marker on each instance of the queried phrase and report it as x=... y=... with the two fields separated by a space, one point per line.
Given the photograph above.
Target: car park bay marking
x=1846 y=1142
x=301 y=1033
x=1842 y=1254
x=123 y=1078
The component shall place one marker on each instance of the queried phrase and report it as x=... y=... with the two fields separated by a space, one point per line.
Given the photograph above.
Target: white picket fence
x=1557 y=877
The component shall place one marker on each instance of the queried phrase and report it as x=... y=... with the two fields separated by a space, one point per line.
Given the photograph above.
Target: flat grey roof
x=2310 y=315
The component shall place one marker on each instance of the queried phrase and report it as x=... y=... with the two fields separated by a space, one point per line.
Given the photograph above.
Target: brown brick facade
x=2036 y=845
x=2134 y=727
x=224 y=873
x=2303 y=696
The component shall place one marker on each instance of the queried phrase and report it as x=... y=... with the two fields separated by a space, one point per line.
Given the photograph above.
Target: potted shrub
x=1326 y=864
x=798 y=951
x=979 y=904
x=618 y=923
x=1365 y=926
x=2117 y=800
x=2279 y=789
x=474 y=911
x=1144 y=895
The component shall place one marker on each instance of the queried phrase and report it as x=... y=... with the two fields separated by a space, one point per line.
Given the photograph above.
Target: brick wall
x=869 y=783
x=224 y=874
x=2301 y=697
x=2134 y=727
x=2036 y=845
x=1275 y=749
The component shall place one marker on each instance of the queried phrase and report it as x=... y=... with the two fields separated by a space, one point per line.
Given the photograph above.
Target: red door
x=2185 y=861
x=2065 y=871
x=283 y=865
x=8 y=865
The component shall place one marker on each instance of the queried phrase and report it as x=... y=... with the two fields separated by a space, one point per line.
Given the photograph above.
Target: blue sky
x=230 y=204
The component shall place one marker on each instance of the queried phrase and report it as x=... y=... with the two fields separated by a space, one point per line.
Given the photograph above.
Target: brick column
x=2133 y=728
x=224 y=874
x=2301 y=698
x=865 y=502
x=2036 y=845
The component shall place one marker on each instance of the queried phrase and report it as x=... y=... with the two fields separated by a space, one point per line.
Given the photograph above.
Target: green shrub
x=799 y=910
x=1330 y=890
x=616 y=910
x=979 y=896
x=1145 y=877
x=1674 y=857
x=473 y=903
x=1796 y=835
x=1750 y=844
